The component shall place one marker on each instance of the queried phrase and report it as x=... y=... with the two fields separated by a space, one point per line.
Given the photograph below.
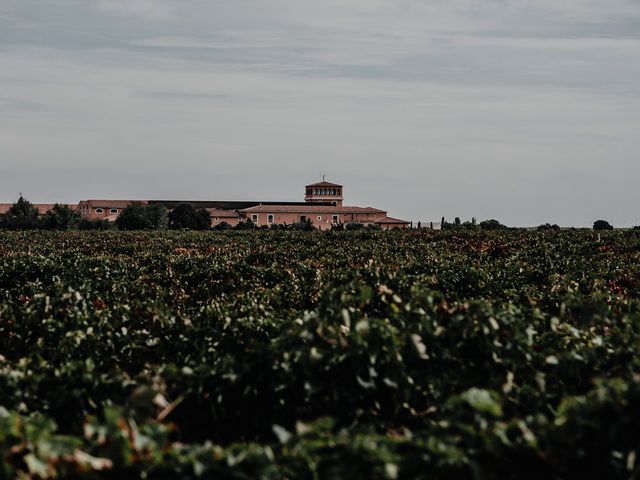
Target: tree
x=158 y=216
x=491 y=225
x=602 y=225
x=222 y=226
x=61 y=217
x=247 y=225
x=353 y=226
x=306 y=225
x=134 y=217
x=184 y=216
x=96 y=224
x=548 y=226
x=22 y=216
x=140 y=216
x=457 y=222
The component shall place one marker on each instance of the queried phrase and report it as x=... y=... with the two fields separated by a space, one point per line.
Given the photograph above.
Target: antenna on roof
x=323 y=178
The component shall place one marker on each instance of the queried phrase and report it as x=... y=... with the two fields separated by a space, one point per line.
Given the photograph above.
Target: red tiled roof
x=310 y=208
x=389 y=220
x=324 y=184
x=110 y=203
x=222 y=213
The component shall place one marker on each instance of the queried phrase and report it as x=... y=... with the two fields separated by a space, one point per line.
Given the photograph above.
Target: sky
x=527 y=111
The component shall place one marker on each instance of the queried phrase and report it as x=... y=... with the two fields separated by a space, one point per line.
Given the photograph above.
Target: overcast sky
x=527 y=111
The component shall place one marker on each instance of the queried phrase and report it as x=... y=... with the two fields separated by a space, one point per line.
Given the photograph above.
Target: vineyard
x=320 y=355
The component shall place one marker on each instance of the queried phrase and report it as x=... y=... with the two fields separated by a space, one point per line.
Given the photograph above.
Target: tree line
x=23 y=215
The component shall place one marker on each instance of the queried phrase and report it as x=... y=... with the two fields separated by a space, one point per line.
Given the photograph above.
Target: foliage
x=602 y=225
x=222 y=226
x=548 y=226
x=140 y=216
x=353 y=226
x=491 y=225
x=60 y=217
x=94 y=224
x=339 y=354
x=306 y=226
x=158 y=216
x=21 y=216
x=185 y=216
x=246 y=225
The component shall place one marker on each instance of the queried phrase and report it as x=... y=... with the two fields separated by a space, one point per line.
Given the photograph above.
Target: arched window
x=113 y=210
x=99 y=210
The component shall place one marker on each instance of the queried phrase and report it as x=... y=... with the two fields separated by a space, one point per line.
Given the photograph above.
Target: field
x=480 y=355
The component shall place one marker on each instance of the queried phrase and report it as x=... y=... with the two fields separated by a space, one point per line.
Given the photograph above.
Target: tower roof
x=324 y=184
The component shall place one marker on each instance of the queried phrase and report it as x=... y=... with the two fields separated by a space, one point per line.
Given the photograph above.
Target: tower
x=325 y=192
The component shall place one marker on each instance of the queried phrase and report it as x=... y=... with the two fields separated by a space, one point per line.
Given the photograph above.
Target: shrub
x=246 y=225
x=186 y=217
x=158 y=216
x=134 y=217
x=491 y=225
x=548 y=226
x=602 y=225
x=353 y=226
x=96 y=224
x=61 y=217
x=305 y=226
x=222 y=226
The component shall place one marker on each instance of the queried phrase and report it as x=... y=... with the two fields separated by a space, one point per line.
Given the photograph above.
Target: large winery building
x=323 y=207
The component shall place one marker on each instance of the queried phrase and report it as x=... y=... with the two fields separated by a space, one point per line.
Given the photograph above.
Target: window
x=303 y=218
x=99 y=210
x=215 y=219
x=335 y=218
x=270 y=218
x=113 y=210
x=319 y=217
x=254 y=217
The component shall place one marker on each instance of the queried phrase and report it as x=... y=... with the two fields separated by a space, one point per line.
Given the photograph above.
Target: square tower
x=325 y=192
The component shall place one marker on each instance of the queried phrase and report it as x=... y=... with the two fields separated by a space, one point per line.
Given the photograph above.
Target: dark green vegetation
x=280 y=354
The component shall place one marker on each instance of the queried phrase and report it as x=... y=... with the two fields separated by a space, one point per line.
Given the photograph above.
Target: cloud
x=517 y=109
x=150 y=10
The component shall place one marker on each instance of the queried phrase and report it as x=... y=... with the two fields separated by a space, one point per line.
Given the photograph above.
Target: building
x=41 y=207
x=103 y=209
x=323 y=207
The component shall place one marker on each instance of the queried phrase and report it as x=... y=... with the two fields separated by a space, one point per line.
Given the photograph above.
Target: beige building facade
x=323 y=207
